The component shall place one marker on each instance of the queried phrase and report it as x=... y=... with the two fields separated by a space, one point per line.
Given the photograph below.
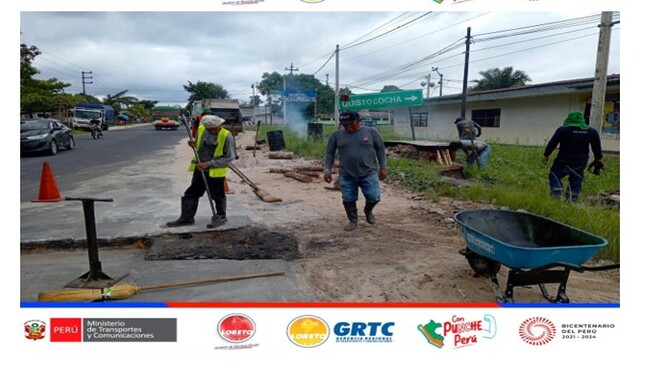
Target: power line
x=386 y=33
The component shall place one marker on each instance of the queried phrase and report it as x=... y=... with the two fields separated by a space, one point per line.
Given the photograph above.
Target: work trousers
x=369 y=184
x=197 y=187
x=574 y=174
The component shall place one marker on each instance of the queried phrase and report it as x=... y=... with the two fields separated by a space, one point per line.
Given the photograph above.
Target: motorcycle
x=96 y=131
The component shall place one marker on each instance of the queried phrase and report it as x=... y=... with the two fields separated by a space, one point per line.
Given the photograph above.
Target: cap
x=346 y=118
x=211 y=121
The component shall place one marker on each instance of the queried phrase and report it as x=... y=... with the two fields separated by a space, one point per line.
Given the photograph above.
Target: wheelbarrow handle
x=602 y=268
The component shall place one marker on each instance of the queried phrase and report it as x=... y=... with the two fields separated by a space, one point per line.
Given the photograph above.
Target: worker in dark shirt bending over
x=574 y=140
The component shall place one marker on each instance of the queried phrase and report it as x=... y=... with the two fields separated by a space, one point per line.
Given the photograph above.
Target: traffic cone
x=48 y=191
x=226 y=189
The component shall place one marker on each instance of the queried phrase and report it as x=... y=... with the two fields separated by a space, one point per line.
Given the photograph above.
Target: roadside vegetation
x=515 y=178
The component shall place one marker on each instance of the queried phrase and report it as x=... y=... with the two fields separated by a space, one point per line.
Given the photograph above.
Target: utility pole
x=291 y=70
x=327 y=79
x=253 y=102
x=428 y=84
x=434 y=69
x=85 y=82
x=463 y=104
x=336 y=112
x=601 y=69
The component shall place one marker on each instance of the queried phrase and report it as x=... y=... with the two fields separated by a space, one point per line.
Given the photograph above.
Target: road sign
x=298 y=96
x=402 y=98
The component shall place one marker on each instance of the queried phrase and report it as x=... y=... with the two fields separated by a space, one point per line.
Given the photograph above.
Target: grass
x=514 y=177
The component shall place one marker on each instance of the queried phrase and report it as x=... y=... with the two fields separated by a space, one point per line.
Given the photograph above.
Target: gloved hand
x=595 y=167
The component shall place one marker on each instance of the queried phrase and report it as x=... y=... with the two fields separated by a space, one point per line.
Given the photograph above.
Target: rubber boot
x=368 y=212
x=352 y=214
x=188 y=206
x=220 y=217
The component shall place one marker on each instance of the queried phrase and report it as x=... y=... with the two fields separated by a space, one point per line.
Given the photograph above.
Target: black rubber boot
x=368 y=212
x=188 y=206
x=220 y=217
x=352 y=214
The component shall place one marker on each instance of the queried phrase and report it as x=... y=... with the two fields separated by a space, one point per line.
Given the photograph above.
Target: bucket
x=276 y=140
x=315 y=131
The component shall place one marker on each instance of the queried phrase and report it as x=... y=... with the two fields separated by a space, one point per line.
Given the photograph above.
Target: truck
x=166 y=117
x=228 y=109
x=83 y=113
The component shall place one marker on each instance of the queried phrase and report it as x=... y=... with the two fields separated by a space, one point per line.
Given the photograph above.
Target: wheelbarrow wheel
x=481 y=265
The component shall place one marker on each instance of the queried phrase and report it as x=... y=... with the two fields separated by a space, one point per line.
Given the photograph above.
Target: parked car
x=369 y=122
x=45 y=135
x=166 y=123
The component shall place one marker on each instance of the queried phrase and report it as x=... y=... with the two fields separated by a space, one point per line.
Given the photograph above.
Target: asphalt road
x=93 y=158
x=137 y=169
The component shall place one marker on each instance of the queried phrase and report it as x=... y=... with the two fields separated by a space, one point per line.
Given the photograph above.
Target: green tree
x=390 y=88
x=495 y=78
x=204 y=90
x=139 y=111
x=119 y=101
x=147 y=104
x=41 y=95
x=27 y=70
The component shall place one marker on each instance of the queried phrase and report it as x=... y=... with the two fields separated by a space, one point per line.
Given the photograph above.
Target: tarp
x=123 y=117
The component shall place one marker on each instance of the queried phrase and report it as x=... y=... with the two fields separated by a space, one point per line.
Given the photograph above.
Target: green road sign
x=383 y=100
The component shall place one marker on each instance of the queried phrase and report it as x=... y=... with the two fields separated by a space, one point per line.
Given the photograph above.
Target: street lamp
x=428 y=85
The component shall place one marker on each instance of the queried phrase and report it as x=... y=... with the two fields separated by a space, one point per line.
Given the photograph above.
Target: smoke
x=298 y=117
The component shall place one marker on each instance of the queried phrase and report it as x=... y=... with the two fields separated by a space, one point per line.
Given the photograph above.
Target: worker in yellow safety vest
x=216 y=149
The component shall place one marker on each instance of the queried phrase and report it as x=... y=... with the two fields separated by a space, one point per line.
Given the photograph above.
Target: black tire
x=54 y=148
x=481 y=265
x=71 y=143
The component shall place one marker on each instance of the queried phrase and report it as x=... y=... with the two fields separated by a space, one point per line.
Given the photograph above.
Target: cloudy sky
x=153 y=54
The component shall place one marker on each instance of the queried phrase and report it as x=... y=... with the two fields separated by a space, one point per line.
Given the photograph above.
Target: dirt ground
x=409 y=255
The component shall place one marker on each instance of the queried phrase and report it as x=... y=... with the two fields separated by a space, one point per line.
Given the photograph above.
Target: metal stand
x=95 y=278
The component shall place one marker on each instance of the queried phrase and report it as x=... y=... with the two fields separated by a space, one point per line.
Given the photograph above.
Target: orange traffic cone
x=48 y=191
x=226 y=189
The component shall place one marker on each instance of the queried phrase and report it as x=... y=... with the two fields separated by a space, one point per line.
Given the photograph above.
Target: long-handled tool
x=216 y=220
x=478 y=161
x=257 y=132
x=261 y=193
x=123 y=291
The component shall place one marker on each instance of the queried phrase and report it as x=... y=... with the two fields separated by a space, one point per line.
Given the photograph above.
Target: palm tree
x=495 y=78
x=119 y=100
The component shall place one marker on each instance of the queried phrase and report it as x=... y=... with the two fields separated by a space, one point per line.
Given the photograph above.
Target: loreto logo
x=35 y=329
x=312 y=1
x=439 y=1
x=363 y=332
x=537 y=331
x=459 y=331
x=308 y=331
x=236 y=328
x=66 y=330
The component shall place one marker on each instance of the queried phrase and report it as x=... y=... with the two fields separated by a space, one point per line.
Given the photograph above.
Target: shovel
x=478 y=162
x=216 y=219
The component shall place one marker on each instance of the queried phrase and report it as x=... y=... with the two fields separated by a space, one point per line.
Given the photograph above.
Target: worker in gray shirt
x=362 y=164
x=215 y=146
x=467 y=129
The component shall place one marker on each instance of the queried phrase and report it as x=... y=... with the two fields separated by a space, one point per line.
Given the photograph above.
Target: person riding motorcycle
x=96 y=130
